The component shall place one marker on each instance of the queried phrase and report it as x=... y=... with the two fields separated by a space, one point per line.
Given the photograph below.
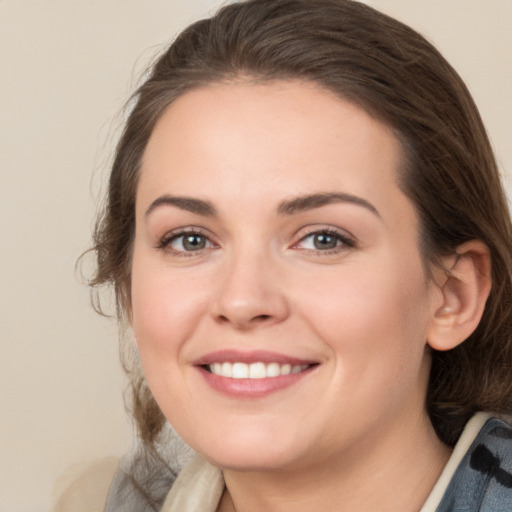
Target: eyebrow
x=189 y=204
x=312 y=201
x=288 y=207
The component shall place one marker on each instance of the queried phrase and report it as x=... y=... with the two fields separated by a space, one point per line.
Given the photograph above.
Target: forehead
x=283 y=138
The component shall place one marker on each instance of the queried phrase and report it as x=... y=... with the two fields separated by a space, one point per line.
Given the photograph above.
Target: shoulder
x=85 y=487
x=483 y=480
x=491 y=456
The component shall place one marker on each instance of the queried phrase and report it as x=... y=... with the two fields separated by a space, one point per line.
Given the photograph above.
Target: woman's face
x=280 y=304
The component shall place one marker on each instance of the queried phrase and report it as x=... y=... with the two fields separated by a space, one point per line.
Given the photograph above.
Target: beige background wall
x=66 y=66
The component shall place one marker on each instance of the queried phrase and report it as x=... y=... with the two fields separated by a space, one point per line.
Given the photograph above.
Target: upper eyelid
x=299 y=235
x=173 y=234
x=186 y=230
x=311 y=230
x=346 y=242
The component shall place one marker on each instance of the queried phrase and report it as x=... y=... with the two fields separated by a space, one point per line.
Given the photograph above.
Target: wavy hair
x=394 y=74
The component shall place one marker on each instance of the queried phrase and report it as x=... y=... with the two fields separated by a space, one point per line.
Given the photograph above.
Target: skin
x=356 y=424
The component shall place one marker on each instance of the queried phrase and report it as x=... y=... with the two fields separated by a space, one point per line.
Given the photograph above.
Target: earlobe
x=464 y=288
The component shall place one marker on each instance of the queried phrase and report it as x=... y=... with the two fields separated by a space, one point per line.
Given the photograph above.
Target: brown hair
x=397 y=76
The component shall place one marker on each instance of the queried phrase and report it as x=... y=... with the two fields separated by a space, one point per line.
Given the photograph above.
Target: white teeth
x=286 y=369
x=273 y=370
x=226 y=370
x=257 y=371
x=254 y=370
x=240 y=371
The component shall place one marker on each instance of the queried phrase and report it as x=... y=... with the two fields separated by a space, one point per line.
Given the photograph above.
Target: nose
x=250 y=293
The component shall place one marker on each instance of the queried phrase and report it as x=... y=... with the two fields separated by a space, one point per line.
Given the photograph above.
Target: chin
x=251 y=460
x=247 y=453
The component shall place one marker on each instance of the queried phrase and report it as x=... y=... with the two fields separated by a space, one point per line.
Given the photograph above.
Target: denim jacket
x=481 y=483
x=483 y=480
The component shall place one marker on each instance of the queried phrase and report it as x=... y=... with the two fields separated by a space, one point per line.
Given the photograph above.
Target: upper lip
x=254 y=356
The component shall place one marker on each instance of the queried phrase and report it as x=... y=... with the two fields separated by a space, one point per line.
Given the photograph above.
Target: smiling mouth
x=257 y=370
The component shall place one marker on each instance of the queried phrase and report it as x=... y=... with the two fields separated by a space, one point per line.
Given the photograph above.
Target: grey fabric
x=144 y=478
x=125 y=493
x=481 y=483
x=483 y=480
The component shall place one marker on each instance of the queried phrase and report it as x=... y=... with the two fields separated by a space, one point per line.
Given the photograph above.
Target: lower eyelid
x=342 y=238
x=344 y=241
x=166 y=241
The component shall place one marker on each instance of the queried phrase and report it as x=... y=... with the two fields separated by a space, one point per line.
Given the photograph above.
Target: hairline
x=242 y=77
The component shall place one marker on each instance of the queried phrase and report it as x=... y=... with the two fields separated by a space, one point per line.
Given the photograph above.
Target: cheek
x=370 y=313
x=165 y=308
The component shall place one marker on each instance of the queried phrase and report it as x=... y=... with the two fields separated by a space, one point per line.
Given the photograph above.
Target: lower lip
x=252 y=388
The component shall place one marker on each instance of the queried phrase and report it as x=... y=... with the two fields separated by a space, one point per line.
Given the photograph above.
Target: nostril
x=257 y=319
x=261 y=317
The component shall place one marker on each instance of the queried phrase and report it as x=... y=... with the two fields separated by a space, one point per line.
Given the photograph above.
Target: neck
x=393 y=473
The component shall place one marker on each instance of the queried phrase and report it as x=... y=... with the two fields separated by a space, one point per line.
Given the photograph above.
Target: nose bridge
x=249 y=291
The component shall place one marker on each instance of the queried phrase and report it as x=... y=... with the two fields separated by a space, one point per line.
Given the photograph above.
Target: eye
x=325 y=241
x=189 y=242
x=185 y=242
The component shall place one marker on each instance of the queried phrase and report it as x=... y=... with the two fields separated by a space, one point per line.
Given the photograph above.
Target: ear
x=464 y=285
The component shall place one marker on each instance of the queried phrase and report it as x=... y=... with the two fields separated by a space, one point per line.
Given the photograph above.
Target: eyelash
x=166 y=241
x=343 y=242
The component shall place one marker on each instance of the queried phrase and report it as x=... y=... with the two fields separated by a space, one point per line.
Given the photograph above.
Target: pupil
x=324 y=241
x=194 y=242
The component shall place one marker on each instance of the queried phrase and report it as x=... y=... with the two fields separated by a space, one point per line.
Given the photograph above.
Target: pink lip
x=250 y=388
x=255 y=356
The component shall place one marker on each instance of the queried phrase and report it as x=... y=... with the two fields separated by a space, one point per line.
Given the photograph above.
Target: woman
x=307 y=234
